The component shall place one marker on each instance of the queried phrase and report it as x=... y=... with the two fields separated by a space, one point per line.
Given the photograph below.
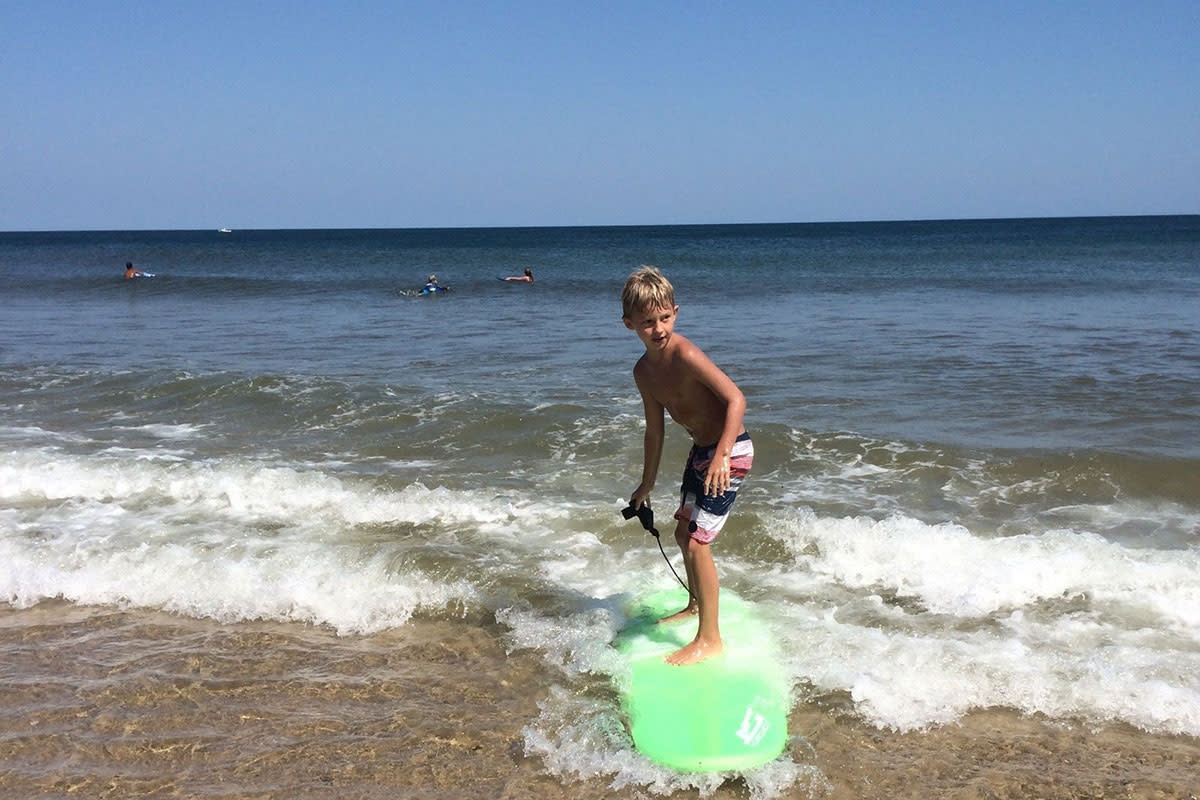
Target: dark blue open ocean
x=977 y=483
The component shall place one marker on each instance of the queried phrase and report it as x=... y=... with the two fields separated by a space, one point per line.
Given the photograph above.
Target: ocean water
x=977 y=480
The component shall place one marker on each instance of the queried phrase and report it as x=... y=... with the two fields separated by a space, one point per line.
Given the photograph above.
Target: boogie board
x=728 y=712
x=424 y=292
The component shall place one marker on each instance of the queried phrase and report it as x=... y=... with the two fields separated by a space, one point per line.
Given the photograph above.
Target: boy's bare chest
x=678 y=391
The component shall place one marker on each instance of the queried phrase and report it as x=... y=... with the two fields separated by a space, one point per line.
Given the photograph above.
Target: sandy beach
x=126 y=704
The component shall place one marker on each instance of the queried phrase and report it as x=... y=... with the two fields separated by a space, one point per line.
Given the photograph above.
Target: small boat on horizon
x=224 y=230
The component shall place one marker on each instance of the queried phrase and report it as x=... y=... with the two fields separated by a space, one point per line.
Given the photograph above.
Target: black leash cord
x=646 y=517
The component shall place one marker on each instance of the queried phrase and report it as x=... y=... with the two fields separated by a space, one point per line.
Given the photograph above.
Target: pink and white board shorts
x=706 y=514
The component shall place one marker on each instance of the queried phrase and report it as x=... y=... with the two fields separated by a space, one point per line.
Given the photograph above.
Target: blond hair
x=646 y=288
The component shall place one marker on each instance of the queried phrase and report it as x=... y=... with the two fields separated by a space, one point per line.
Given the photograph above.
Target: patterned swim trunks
x=706 y=515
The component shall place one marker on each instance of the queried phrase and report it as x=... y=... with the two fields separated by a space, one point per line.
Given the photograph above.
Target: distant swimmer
x=526 y=278
x=131 y=273
x=431 y=287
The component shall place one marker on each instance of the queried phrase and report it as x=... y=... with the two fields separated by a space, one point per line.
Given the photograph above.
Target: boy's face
x=653 y=326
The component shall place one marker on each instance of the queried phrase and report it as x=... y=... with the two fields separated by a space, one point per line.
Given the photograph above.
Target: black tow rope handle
x=646 y=517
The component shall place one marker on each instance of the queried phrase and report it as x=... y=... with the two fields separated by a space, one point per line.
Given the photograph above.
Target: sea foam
x=923 y=623
x=227 y=540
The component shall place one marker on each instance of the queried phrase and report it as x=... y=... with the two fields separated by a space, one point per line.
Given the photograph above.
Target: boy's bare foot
x=688 y=612
x=695 y=652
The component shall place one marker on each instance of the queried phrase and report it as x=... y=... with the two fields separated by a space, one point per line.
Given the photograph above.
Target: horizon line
x=896 y=221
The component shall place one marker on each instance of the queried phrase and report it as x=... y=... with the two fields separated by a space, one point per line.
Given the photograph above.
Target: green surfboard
x=728 y=712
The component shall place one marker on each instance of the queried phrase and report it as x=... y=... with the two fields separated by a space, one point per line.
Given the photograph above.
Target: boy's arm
x=717 y=479
x=651 y=444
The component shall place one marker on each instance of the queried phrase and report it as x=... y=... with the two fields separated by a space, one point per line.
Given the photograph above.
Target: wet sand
x=127 y=704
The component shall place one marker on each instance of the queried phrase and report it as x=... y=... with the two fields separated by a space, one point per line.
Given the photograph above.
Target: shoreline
x=129 y=703
x=998 y=753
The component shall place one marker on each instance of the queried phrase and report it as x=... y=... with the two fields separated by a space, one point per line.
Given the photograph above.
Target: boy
x=674 y=375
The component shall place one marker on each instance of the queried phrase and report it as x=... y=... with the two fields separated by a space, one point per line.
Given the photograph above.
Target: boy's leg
x=705 y=585
x=682 y=538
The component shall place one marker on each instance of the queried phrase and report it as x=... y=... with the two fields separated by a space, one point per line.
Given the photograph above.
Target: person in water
x=431 y=285
x=526 y=278
x=676 y=376
x=131 y=273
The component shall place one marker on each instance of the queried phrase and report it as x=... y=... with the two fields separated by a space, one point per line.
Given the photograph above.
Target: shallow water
x=127 y=704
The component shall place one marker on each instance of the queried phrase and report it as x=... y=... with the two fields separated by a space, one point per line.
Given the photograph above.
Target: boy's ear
x=628 y=322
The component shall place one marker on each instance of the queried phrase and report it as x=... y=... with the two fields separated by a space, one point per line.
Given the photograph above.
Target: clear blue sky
x=413 y=114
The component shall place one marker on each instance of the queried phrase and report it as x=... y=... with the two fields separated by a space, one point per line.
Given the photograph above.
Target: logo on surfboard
x=753 y=728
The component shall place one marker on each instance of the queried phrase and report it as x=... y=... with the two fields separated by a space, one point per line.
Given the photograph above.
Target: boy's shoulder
x=687 y=352
x=690 y=359
x=682 y=353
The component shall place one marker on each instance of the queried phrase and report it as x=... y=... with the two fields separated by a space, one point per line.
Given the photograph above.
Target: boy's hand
x=640 y=496
x=717 y=480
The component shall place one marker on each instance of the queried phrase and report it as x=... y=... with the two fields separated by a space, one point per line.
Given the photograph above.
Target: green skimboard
x=728 y=712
